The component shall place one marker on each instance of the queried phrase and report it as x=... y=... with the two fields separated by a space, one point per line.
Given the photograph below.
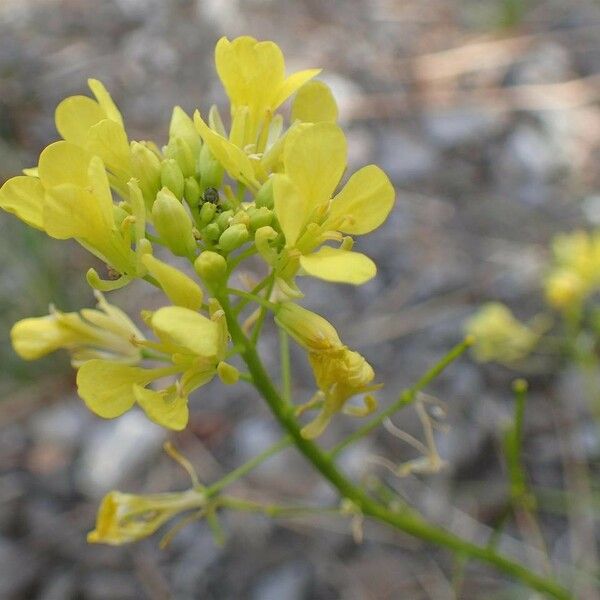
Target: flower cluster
x=212 y=195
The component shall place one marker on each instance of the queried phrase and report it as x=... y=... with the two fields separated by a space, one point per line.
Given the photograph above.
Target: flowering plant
x=214 y=196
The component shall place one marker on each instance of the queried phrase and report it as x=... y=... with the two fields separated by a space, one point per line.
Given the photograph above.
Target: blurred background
x=485 y=114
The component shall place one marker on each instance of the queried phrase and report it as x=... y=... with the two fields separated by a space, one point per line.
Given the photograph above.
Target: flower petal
x=315 y=159
x=63 y=162
x=108 y=140
x=24 y=197
x=166 y=407
x=179 y=288
x=75 y=115
x=314 y=103
x=290 y=208
x=106 y=387
x=291 y=84
x=343 y=266
x=232 y=158
x=37 y=336
x=185 y=329
x=105 y=101
x=364 y=203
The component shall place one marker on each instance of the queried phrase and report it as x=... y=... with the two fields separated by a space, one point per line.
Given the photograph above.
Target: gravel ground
x=491 y=137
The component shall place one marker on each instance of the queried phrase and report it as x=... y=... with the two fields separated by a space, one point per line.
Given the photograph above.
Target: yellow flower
x=499 y=336
x=310 y=214
x=565 y=289
x=105 y=332
x=72 y=198
x=576 y=270
x=253 y=75
x=96 y=126
x=340 y=373
x=191 y=342
x=124 y=518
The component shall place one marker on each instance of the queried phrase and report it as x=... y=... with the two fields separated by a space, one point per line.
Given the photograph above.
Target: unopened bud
x=119 y=214
x=209 y=169
x=261 y=217
x=211 y=232
x=173 y=224
x=264 y=196
x=207 y=213
x=171 y=177
x=309 y=329
x=224 y=219
x=211 y=266
x=227 y=373
x=233 y=237
x=192 y=191
x=145 y=167
x=241 y=217
x=179 y=150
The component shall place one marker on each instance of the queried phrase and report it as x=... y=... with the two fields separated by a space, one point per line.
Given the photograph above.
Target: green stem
x=252 y=298
x=408 y=520
x=284 y=359
x=407 y=397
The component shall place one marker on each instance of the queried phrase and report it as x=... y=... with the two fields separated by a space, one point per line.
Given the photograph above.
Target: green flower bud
x=224 y=219
x=211 y=232
x=145 y=167
x=182 y=127
x=171 y=177
x=261 y=217
x=241 y=217
x=209 y=169
x=192 y=191
x=173 y=224
x=264 y=196
x=207 y=213
x=182 y=154
x=228 y=374
x=233 y=237
x=211 y=266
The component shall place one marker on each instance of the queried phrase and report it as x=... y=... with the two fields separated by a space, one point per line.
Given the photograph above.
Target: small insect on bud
x=211 y=266
x=233 y=237
x=211 y=195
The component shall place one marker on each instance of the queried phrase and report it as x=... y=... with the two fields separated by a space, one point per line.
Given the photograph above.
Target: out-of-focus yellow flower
x=340 y=373
x=576 y=270
x=124 y=518
x=106 y=332
x=310 y=214
x=191 y=342
x=565 y=289
x=499 y=336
